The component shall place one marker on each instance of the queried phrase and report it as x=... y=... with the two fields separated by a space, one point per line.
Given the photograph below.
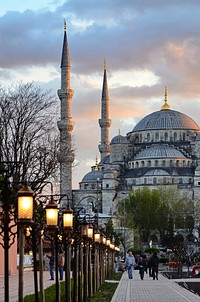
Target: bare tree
x=28 y=132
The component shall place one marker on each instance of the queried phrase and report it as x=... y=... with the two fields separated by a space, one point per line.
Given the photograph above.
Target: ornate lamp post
x=10 y=220
x=56 y=226
x=67 y=228
x=25 y=220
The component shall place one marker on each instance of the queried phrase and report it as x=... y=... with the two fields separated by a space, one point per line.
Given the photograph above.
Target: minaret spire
x=105 y=121
x=66 y=124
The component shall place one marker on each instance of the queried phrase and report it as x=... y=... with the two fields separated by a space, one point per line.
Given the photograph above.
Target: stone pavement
x=28 y=285
x=134 y=290
x=149 y=290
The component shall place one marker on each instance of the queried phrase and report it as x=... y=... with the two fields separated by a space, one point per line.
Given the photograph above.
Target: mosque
x=163 y=148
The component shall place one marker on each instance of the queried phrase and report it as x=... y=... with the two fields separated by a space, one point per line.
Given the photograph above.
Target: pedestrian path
x=133 y=290
x=149 y=290
x=28 y=285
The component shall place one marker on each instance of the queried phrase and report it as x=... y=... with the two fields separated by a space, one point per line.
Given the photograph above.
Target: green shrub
x=135 y=251
x=151 y=250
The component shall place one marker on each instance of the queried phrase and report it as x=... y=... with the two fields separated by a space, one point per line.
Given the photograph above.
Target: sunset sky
x=147 y=45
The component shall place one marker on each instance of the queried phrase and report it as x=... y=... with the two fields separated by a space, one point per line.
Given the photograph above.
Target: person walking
x=130 y=262
x=154 y=265
x=61 y=263
x=51 y=265
x=142 y=263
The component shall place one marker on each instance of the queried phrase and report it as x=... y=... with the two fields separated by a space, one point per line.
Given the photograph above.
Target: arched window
x=180 y=180
x=148 y=137
x=163 y=163
x=175 y=136
x=142 y=163
x=136 y=164
x=166 y=136
x=183 y=136
x=177 y=163
x=154 y=181
x=140 y=138
x=184 y=163
x=171 y=163
x=156 y=163
x=137 y=139
x=145 y=181
x=157 y=137
x=149 y=163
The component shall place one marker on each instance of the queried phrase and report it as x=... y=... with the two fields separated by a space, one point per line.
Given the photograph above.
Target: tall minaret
x=65 y=125
x=105 y=121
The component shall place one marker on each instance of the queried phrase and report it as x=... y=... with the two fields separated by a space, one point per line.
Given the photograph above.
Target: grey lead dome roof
x=92 y=176
x=119 y=139
x=159 y=152
x=166 y=119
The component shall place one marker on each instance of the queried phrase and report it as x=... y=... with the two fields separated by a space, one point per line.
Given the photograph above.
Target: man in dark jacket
x=154 y=264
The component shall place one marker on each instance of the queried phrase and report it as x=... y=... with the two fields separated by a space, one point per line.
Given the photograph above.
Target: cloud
x=147 y=45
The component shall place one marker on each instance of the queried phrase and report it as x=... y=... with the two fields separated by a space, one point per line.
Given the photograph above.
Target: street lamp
x=10 y=220
x=60 y=223
x=25 y=206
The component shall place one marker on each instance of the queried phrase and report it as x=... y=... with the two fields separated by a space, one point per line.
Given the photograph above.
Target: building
x=163 y=148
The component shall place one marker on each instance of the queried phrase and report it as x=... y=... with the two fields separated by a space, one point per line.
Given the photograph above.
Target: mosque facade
x=163 y=148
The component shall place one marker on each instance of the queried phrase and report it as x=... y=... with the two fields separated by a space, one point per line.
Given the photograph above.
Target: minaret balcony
x=65 y=93
x=105 y=123
x=67 y=124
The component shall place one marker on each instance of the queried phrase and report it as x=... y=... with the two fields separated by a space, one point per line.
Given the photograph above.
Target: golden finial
x=104 y=63
x=166 y=106
x=65 y=26
x=96 y=164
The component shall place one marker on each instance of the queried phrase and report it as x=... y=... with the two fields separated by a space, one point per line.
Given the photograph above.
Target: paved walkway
x=28 y=285
x=149 y=290
x=134 y=290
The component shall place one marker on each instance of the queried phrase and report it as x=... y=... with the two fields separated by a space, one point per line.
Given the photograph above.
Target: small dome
x=119 y=139
x=92 y=176
x=157 y=172
x=159 y=152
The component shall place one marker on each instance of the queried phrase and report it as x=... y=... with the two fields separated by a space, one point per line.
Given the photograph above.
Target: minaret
x=65 y=125
x=105 y=122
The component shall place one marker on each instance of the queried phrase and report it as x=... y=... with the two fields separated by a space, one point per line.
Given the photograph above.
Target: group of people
x=61 y=263
x=143 y=264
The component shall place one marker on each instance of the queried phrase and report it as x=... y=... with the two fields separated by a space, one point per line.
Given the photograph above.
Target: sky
x=148 y=45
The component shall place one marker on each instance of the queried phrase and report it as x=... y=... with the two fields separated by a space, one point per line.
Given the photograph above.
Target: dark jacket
x=154 y=261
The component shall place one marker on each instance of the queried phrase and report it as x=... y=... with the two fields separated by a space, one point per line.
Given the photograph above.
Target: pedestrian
x=149 y=265
x=130 y=262
x=154 y=265
x=142 y=262
x=51 y=265
x=61 y=263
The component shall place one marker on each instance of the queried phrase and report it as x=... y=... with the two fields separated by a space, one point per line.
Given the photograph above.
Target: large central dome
x=166 y=119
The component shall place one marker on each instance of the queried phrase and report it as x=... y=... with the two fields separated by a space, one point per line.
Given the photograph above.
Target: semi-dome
x=156 y=172
x=92 y=176
x=166 y=119
x=159 y=151
x=119 y=139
